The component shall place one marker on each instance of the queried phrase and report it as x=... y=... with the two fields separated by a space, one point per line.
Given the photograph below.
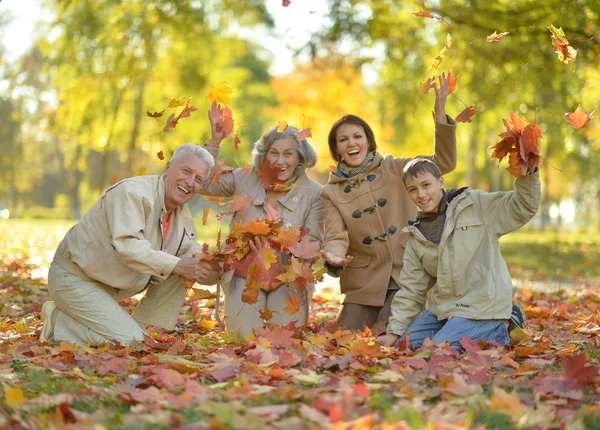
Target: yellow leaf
x=199 y=294
x=142 y=171
x=219 y=93
x=282 y=126
x=205 y=212
x=269 y=257
x=387 y=376
x=311 y=378
x=208 y=324
x=21 y=327
x=179 y=102
x=14 y=397
x=287 y=277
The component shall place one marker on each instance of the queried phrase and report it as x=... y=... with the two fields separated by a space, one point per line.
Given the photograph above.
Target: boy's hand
x=388 y=339
x=441 y=94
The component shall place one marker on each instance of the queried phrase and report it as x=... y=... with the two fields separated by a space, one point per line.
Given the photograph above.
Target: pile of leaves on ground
x=282 y=377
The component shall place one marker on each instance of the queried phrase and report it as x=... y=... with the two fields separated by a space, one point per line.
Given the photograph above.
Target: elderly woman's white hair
x=191 y=148
x=308 y=156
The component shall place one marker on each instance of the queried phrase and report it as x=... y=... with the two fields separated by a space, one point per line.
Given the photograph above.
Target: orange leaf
x=240 y=203
x=495 y=37
x=502 y=149
x=205 y=212
x=465 y=115
x=213 y=198
x=426 y=15
x=265 y=314
x=155 y=114
x=257 y=227
x=160 y=155
x=293 y=304
x=247 y=168
x=564 y=50
x=282 y=126
x=218 y=170
x=303 y=134
x=579 y=118
x=114 y=179
x=453 y=82
x=286 y=3
x=236 y=140
x=437 y=60
x=332 y=169
x=250 y=295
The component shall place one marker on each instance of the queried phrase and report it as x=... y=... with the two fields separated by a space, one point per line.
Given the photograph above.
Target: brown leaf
x=155 y=114
x=160 y=155
x=465 y=115
x=495 y=37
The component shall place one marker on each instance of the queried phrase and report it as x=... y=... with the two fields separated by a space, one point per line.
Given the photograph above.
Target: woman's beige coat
x=375 y=238
x=472 y=278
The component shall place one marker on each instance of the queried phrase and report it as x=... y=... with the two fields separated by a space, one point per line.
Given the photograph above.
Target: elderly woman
x=365 y=208
x=298 y=205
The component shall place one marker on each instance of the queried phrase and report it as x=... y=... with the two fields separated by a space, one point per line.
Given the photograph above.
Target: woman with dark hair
x=292 y=197
x=365 y=208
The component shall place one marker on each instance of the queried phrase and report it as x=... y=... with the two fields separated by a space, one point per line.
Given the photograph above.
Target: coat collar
x=375 y=164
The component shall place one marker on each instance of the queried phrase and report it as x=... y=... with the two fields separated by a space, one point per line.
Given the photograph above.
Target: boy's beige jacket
x=385 y=207
x=118 y=242
x=473 y=280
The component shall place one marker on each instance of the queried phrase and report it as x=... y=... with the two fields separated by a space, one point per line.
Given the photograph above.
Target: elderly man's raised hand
x=193 y=269
x=216 y=129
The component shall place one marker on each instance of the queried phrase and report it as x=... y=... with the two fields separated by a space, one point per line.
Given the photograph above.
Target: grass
x=531 y=255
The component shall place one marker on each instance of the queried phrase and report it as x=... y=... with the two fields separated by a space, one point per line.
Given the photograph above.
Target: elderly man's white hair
x=191 y=148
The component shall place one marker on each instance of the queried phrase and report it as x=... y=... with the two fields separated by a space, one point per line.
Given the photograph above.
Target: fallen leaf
x=293 y=304
x=14 y=397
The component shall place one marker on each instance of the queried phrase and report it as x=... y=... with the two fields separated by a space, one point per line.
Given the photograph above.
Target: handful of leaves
x=520 y=143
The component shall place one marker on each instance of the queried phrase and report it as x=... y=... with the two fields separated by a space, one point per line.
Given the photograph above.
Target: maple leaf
x=466 y=115
x=179 y=102
x=495 y=37
x=268 y=175
x=426 y=15
x=293 y=304
x=437 y=60
x=282 y=126
x=213 y=198
x=268 y=257
x=219 y=169
x=286 y=3
x=579 y=118
x=303 y=134
x=236 y=140
x=14 y=396
x=453 y=82
x=142 y=171
x=219 y=93
x=171 y=122
x=247 y=168
x=575 y=369
x=265 y=314
x=426 y=85
x=564 y=50
x=502 y=149
x=155 y=114
x=240 y=203
x=205 y=212
x=160 y=155
x=227 y=121
x=305 y=249
x=250 y=295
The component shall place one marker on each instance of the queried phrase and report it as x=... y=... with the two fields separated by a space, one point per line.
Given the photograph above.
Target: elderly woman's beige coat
x=364 y=217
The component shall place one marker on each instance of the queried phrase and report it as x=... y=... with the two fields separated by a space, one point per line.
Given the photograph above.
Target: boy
x=454 y=241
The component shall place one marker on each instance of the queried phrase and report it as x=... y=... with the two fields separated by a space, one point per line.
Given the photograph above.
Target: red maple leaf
x=465 y=115
x=576 y=369
x=305 y=249
x=303 y=134
x=236 y=140
x=579 y=118
x=520 y=143
x=268 y=175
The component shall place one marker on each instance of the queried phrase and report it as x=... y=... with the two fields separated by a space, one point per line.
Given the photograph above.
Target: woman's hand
x=441 y=94
x=388 y=339
x=256 y=244
x=334 y=260
x=217 y=134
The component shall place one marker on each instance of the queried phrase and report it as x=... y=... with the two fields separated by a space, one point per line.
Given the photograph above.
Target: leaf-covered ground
x=319 y=377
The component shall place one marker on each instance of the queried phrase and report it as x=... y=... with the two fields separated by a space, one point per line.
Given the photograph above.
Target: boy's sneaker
x=47 y=332
x=518 y=318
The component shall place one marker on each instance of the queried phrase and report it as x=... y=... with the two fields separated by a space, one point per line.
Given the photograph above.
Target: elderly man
x=138 y=236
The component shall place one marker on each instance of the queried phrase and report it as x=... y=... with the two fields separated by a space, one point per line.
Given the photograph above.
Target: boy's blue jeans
x=454 y=329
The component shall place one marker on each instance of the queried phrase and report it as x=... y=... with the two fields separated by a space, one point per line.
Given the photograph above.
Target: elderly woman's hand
x=256 y=244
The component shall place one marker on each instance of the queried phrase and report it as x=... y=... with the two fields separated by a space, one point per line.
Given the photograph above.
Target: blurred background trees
x=74 y=106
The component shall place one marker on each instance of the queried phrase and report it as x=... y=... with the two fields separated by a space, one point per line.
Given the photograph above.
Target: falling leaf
x=293 y=304
x=205 y=212
x=495 y=37
x=427 y=84
x=247 y=168
x=236 y=140
x=426 y=15
x=453 y=81
x=286 y=3
x=564 y=50
x=282 y=126
x=213 y=198
x=155 y=114
x=142 y=171
x=332 y=168
x=114 y=179
x=303 y=134
x=240 y=203
x=219 y=169
x=160 y=155
x=579 y=118
x=171 y=122
x=219 y=93
x=179 y=102
x=437 y=60
x=466 y=115
x=265 y=314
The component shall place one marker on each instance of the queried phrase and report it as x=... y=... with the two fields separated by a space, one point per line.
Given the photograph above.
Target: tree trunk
x=137 y=117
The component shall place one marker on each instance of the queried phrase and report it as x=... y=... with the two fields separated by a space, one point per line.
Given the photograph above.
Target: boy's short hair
x=417 y=166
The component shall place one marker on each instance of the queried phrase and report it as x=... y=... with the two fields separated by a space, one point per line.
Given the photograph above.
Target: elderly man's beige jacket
x=119 y=240
x=473 y=280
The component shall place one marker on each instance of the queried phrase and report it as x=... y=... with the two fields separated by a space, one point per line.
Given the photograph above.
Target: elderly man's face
x=183 y=179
